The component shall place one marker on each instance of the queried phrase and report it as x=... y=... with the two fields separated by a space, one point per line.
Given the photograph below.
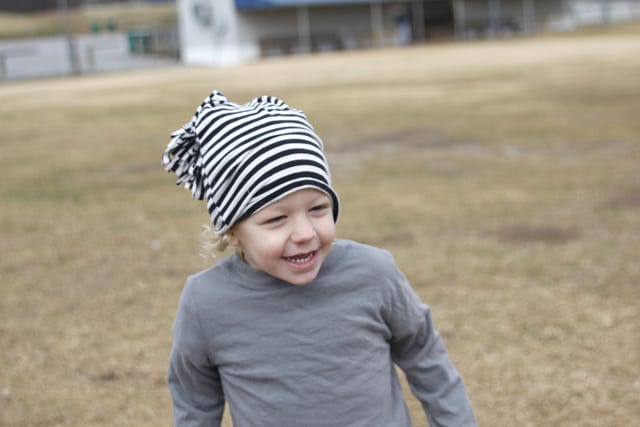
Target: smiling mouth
x=301 y=258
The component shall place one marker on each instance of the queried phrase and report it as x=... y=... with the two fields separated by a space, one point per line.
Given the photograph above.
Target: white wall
x=590 y=12
x=209 y=33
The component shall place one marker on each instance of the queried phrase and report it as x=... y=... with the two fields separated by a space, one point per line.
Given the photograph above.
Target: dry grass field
x=504 y=176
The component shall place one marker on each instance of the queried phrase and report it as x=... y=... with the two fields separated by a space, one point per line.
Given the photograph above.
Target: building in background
x=491 y=18
x=231 y=31
x=28 y=6
x=219 y=32
x=103 y=35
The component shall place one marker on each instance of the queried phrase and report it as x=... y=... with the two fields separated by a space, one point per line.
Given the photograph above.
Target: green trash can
x=95 y=27
x=111 y=25
x=139 y=41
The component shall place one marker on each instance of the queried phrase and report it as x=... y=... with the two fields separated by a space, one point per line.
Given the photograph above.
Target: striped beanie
x=241 y=158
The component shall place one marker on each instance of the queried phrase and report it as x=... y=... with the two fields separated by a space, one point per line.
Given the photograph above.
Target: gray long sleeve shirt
x=322 y=354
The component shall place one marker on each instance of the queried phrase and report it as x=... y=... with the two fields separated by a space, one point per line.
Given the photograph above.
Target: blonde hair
x=211 y=245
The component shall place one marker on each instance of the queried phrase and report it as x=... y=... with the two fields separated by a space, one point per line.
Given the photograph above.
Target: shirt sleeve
x=417 y=348
x=194 y=381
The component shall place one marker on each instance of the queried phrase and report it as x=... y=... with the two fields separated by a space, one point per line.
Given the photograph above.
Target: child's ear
x=232 y=240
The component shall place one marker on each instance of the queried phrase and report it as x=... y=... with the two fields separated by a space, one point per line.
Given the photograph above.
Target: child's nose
x=302 y=230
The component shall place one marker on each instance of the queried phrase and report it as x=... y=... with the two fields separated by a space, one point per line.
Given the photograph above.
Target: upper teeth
x=301 y=258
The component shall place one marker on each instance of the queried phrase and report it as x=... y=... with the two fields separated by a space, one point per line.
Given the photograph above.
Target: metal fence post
x=3 y=66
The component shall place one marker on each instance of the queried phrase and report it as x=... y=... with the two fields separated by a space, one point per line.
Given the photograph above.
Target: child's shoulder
x=356 y=254
x=202 y=282
x=211 y=271
x=356 y=247
x=359 y=266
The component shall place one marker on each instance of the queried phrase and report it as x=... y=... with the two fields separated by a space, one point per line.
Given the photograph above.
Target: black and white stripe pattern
x=241 y=158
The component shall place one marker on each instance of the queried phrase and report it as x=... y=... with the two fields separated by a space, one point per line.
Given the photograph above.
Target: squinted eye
x=320 y=207
x=275 y=219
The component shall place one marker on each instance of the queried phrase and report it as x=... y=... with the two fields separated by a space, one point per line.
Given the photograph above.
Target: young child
x=295 y=328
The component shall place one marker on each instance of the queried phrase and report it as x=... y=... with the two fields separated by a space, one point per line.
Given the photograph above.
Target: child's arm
x=417 y=348
x=194 y=381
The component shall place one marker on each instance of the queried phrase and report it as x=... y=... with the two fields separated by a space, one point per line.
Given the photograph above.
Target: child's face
x=289 y=239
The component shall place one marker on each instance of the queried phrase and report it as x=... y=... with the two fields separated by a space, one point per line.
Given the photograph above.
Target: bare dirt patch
x=629 y=199
x=524 y=234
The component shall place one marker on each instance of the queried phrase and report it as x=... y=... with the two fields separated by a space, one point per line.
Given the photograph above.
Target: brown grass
x=503 y=175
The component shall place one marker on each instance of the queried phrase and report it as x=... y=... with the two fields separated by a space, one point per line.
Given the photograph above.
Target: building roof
x=270 y=4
